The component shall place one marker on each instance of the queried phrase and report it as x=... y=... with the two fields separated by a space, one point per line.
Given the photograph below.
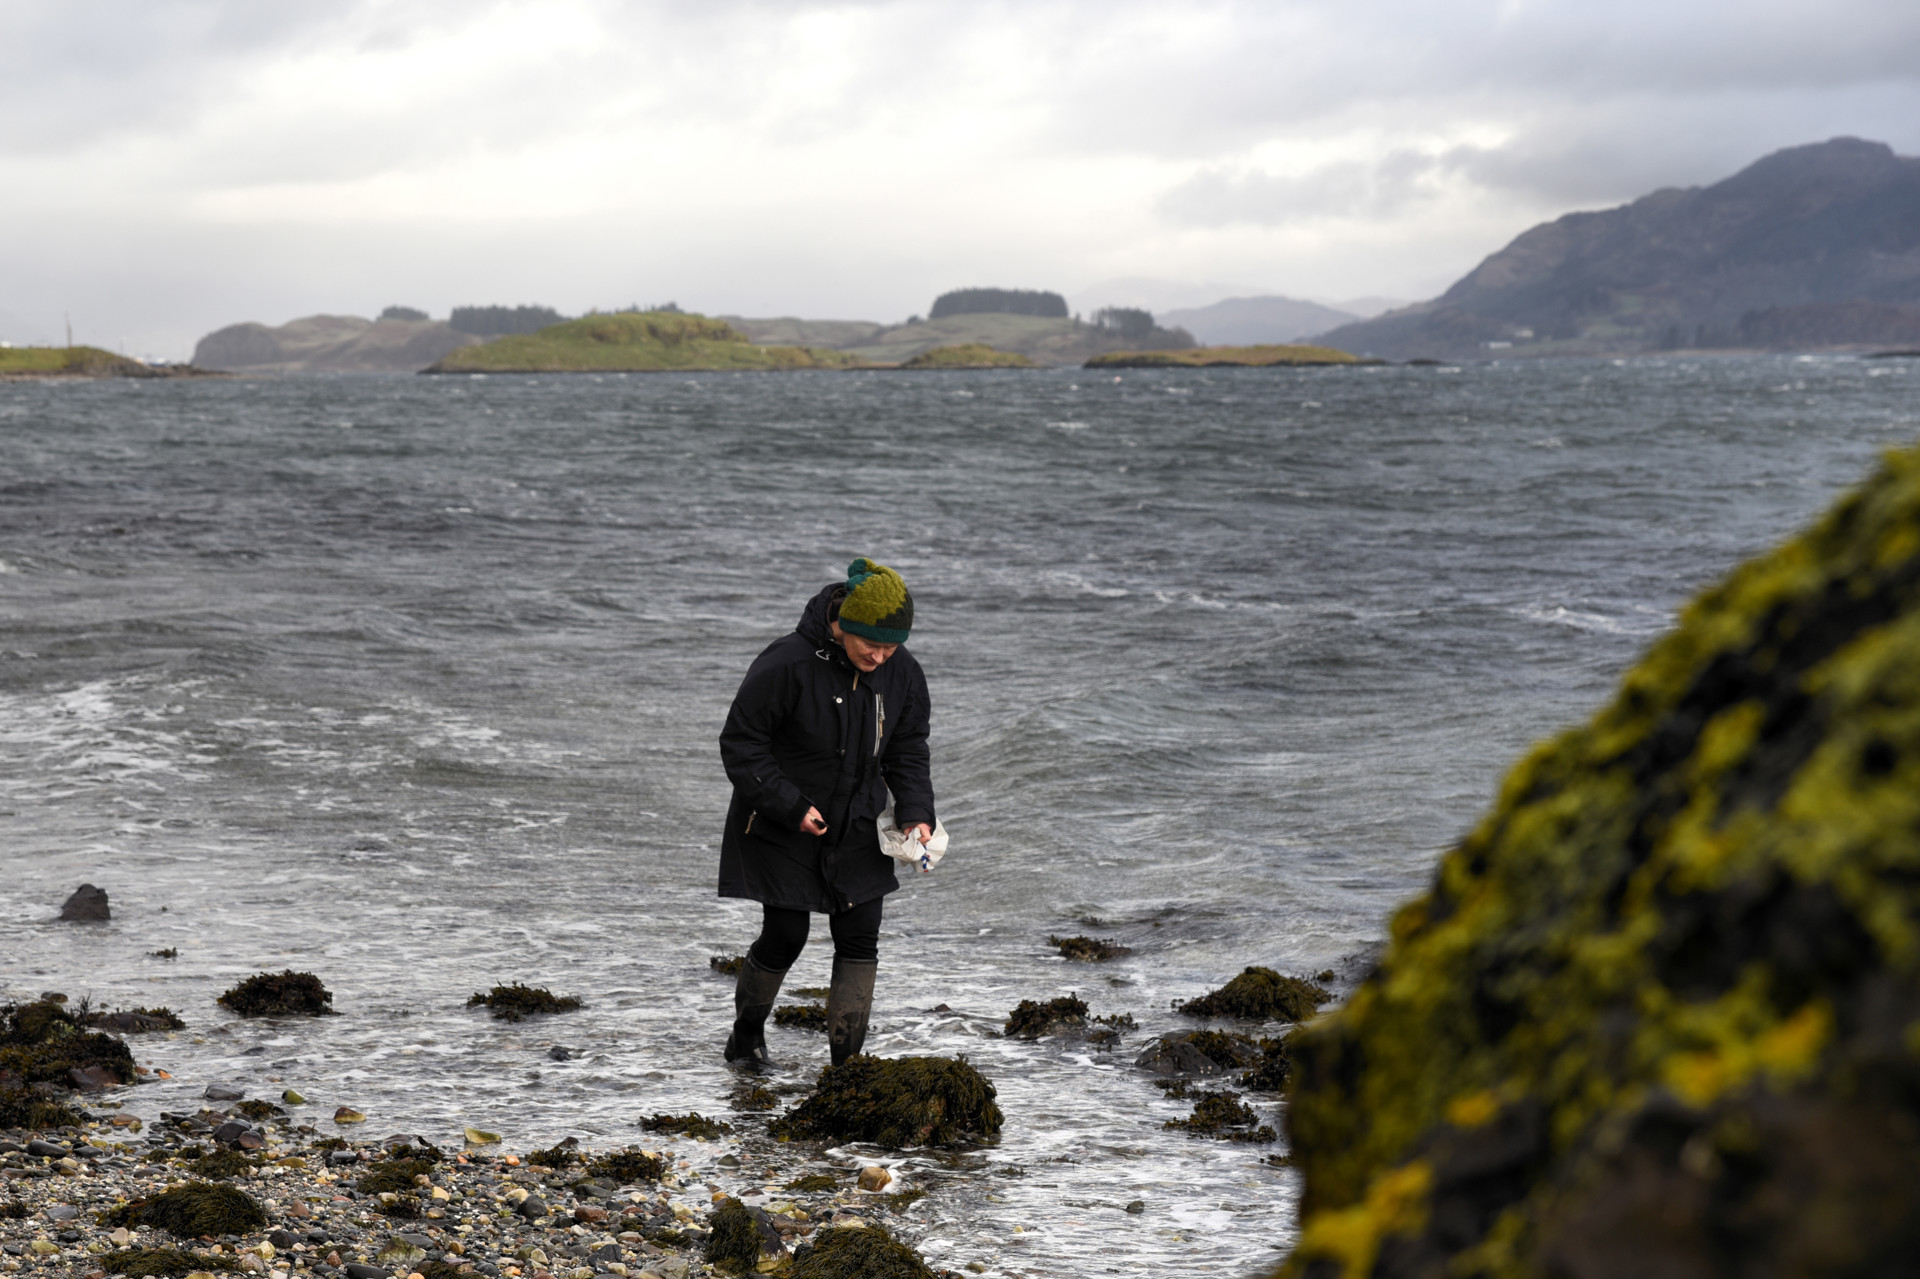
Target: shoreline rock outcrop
x=86 y=905
x=1660 y=1011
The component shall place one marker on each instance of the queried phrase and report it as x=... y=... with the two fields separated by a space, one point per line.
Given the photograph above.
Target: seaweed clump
x=517 y=1002
x=752 y=1096
x=1032 y=1019
x=1088 y=949
x=815 y=1182
x=221 y=1164
x=739 y=1236
x=857 y=1252
x=1655 y=1013
x=44 y=1043
x=558 y=1155
x=393 y=1176
x=1274 y=1069
x=134 y=1021
x=282 y=994
x=258 y=1109
x=728 y=966
x=802 y=1016
x=628 y=1167
x=1225 y=1116
x=25 y=1108
x=692 y=1124
x=189 y=1211
x=905 y=1101
x=1260 y=994
x=14 y=1210
x=159 y=1261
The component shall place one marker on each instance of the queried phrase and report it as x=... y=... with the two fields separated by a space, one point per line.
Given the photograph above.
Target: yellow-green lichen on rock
x=1660 y=1012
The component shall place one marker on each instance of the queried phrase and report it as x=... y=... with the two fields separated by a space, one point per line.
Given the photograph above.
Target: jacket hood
x=813 y=618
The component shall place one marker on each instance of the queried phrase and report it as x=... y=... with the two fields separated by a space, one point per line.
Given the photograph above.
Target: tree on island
x=1035 y=302
x=404 y=313
x=499 y=321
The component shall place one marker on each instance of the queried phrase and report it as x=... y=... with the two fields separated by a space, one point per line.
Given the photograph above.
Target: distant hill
x=787 y=330
x=1042 y=340
x=37 y=362
x=330 y=344
x=1762 y=258
x=634 y=342
x=1037 y=302
x=1258 y=320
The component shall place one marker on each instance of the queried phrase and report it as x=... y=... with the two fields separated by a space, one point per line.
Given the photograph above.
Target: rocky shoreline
x=568 y=1213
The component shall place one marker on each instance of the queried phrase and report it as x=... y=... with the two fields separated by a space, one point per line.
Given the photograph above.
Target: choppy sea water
x=415 y=683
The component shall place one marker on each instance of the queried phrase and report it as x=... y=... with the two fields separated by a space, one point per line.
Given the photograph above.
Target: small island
x=635 y=342
x=968 y=355
x=1231 y=357
x=20 y=363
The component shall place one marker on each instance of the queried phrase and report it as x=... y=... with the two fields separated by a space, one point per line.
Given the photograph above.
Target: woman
x=828 y=720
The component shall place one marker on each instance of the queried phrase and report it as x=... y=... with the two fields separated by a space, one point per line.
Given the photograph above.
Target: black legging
x=783 y=934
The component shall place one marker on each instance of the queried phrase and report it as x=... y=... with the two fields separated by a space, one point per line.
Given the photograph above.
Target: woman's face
x=865 y=654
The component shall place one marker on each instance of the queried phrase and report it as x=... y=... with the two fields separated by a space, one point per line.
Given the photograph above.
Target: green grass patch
x=635 y=342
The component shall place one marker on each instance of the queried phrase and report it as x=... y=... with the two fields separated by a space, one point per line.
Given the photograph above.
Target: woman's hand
x=813 y=823
x=921 y=832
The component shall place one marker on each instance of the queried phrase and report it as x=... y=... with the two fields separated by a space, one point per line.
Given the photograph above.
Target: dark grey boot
x=849 y=1001
x=753 y=996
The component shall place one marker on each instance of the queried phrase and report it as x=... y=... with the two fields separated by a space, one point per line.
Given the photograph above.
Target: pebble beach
x=481 y=1210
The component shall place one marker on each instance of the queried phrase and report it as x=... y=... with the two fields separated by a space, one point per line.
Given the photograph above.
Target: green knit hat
x=877 y=606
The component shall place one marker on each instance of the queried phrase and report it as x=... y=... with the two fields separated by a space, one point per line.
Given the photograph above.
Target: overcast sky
x=170 y=166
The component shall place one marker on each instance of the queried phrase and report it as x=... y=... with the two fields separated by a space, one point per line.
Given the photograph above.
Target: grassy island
x=80 y=361
x=968 y=355
x=1213 y=357
x=634 y=342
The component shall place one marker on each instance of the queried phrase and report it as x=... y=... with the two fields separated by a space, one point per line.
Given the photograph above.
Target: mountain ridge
x=1805 y=227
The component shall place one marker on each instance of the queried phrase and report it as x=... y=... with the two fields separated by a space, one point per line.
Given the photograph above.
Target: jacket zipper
x=879 y=721
x=750 y=817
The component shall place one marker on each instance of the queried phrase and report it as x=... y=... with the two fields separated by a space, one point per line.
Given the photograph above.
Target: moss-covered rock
x=281 y=994
x=906 y=1101
x=1260 y=994
x=1225 y=1116
x=1660 y=1012
x=189 y=1211
x=517 y=1002
x=857 y=1252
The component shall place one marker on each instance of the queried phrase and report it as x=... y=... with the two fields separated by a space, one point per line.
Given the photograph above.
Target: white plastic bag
x=904 y=848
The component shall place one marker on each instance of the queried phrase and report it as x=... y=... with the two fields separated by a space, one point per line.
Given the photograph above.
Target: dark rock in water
x=1137 y=1206
x=857 y=1252
x=220 y=1092
x=557 y=1053
x=282 y=994
x=189 y=1211
x=1033 y=1018
x=136 y=1021
x=1262 y=994
x=88 y=905
x=1655 y=1016
x=908 y=1101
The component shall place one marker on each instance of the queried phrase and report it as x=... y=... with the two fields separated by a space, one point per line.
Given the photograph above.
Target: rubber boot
x=753 y=996
x=849 y=1001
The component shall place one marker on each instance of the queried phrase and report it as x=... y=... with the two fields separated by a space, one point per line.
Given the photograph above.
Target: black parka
x=809 y=729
